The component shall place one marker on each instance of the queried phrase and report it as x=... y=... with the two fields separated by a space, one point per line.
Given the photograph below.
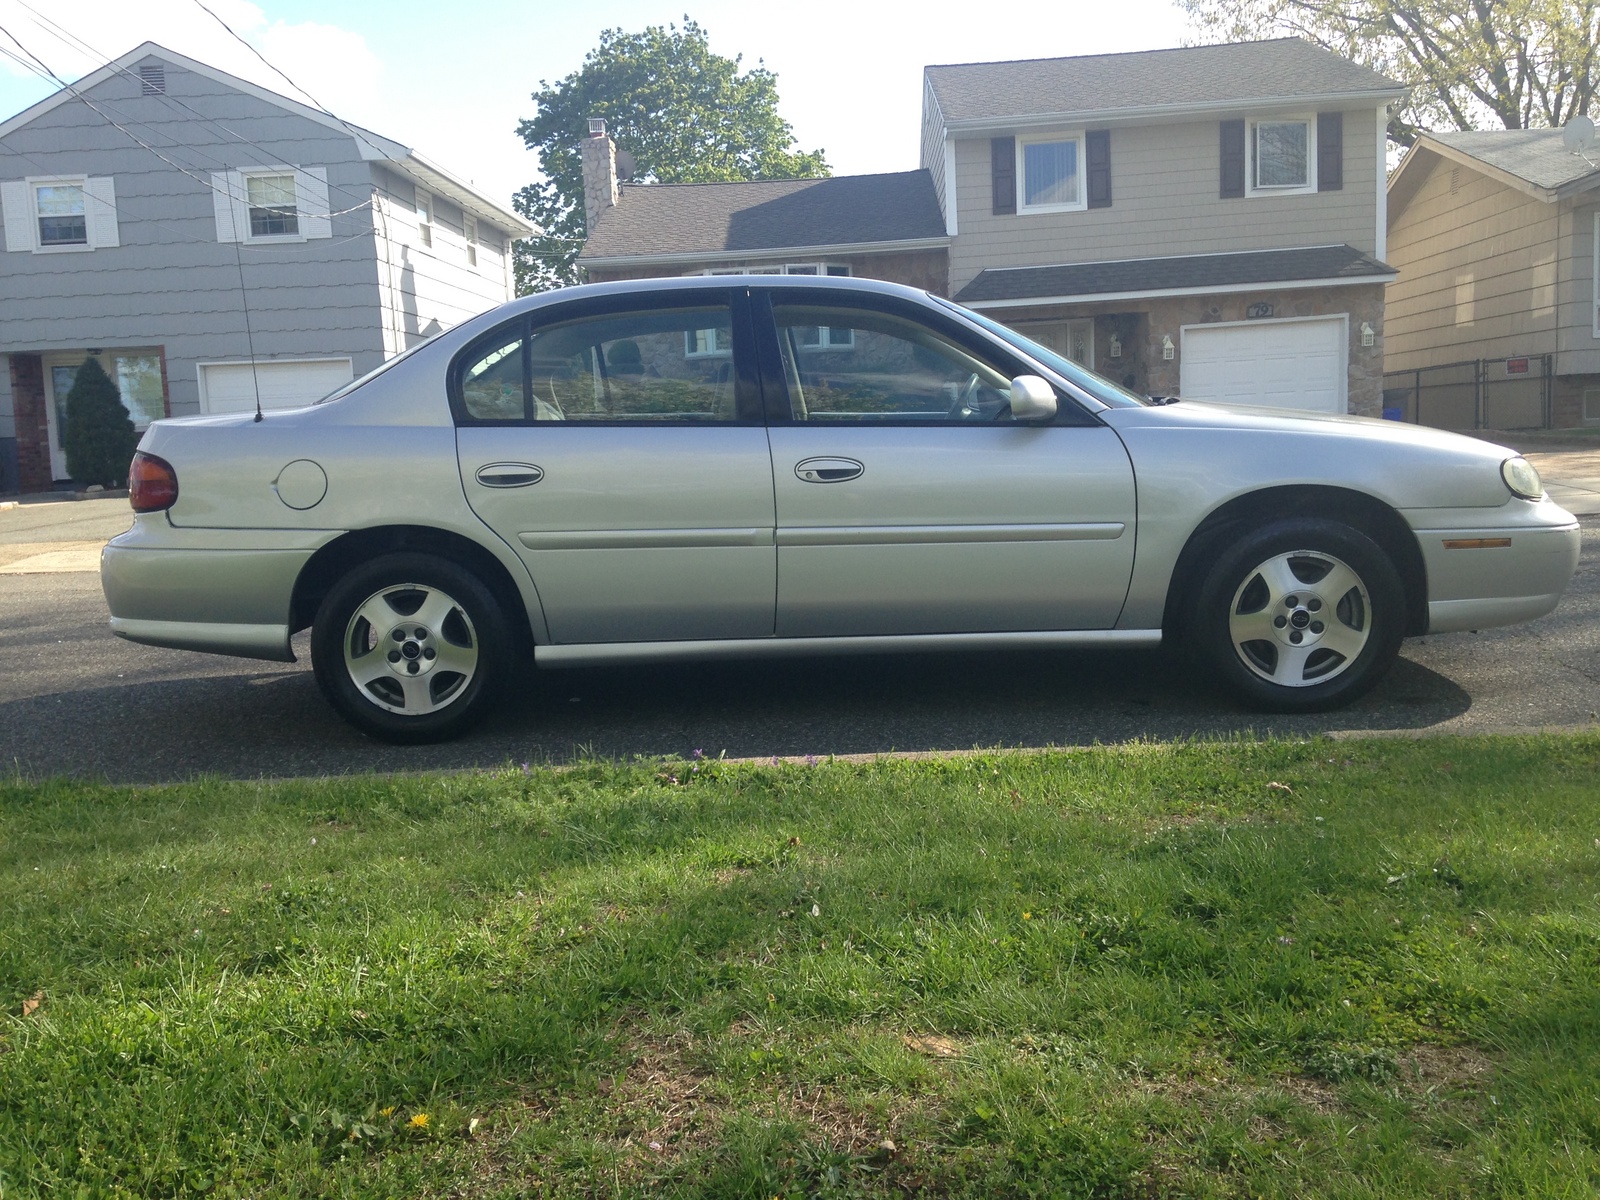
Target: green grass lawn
x=1332 y=968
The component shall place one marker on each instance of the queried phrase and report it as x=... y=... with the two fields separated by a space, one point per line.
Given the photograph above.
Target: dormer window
x=1051 y=172
x=1282 y=154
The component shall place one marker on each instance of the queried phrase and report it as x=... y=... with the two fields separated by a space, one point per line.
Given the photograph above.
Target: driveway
x=76 y=701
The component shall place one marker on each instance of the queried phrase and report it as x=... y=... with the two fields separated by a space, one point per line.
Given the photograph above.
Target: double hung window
x=274 y=206
x=62 y=213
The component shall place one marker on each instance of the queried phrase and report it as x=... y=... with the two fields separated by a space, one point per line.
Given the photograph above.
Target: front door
x=137 y=374
x=909 y=501
x=620 y=452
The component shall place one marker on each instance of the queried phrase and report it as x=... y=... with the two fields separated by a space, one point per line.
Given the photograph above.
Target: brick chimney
x=599 y=173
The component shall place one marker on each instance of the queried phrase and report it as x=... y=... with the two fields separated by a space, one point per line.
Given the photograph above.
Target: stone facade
x=928 y=270
x=1141 y=325
x=33 y=423
x=1567 y=409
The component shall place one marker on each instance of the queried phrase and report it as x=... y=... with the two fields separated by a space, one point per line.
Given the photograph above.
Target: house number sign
x=1257 y=312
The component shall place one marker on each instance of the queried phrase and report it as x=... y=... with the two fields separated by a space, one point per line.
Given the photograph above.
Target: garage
x=1299 y=364
x=231 y=387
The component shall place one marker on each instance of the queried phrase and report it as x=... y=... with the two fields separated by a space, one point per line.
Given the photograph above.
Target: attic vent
x=1455 y=180
x=153 y=80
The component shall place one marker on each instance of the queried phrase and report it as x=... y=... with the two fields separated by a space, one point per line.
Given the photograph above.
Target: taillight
x=152 y=483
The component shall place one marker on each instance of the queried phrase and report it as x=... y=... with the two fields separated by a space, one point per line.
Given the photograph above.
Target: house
x=216 y=245
x=884 y=226
x=1497 y=237
x=1206 y=221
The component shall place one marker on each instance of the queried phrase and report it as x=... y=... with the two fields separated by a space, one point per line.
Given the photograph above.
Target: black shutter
x=1232 y=159
x=1097 y=152
x=1330 y=152
x=1003 y=174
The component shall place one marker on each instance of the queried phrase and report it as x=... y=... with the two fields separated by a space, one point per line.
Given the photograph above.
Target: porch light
x=1367 y=335
x=1116 y=346
x=1167 y=350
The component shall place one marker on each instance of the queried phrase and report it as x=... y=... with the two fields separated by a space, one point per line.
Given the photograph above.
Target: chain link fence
x=1483 y=393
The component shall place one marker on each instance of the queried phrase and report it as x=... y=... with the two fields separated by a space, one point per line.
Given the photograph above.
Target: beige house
x=1497 y=238
x=1207 y=221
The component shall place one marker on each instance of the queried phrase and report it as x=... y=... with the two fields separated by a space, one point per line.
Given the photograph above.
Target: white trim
x=1252 y=165
x=1113 y=116
x=422 y=210
x=731 y=256
x=200 y=368
x=1343 y=319
x=241 y=205
x=1225 y=289
x=81 y=182
x=1076 y=137
x=1381 y=242
x=948 y=199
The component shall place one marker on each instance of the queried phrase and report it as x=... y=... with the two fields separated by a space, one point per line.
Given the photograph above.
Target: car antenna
x=249 y=338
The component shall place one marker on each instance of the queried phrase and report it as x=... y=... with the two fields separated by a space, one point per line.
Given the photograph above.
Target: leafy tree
x=686 y=115
x=1519 y=63
x=99 y=438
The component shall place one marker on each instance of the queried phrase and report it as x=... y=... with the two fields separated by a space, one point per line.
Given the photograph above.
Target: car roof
x=678 y=283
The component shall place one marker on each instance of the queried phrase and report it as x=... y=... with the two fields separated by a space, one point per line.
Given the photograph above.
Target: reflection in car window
x=847 y=364
x=491 y=387
x=1098 y=386
x=661 y=365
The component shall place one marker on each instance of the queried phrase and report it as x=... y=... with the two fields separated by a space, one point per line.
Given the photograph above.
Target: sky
x=451 y=82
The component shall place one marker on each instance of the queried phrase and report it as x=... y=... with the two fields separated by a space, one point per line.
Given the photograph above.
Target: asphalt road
x=76 y=701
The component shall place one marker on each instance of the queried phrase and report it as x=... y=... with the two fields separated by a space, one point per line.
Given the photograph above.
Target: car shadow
x=273 y=722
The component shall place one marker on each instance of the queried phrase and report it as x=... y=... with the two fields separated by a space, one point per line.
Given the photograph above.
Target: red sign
x=1516 y=366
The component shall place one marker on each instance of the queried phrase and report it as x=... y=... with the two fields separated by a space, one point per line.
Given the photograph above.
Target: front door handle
x=828 y=470
x=509 y=475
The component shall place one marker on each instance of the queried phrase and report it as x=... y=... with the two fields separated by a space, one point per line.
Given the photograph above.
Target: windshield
x=1098 y=386
x=346 y=389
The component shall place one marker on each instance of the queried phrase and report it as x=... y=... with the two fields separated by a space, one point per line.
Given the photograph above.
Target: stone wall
x=1566 y=401
x=33 y=423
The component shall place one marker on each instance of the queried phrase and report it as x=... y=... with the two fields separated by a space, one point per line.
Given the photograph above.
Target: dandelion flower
x=386 y=1112
x=1027 y=916
x=418 y=1121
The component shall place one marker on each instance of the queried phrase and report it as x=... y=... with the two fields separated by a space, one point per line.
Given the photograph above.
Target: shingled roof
x=1191 y=77
x=686 y=220
x=1534 y=155
x=998 y=287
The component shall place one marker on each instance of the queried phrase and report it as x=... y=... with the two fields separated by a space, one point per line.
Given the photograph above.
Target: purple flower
x=774 y=760
x=698 y=754
x=525 y=770
x=811 y=760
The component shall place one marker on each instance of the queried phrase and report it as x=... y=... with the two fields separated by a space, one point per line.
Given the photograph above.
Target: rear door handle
x=509 y=475
x=828 y=470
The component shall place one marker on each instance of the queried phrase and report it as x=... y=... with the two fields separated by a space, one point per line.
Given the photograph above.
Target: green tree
x=1521 y=64
x=686 y=115
x=99 y=438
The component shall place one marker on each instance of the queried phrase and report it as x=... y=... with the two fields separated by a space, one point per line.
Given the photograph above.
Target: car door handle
x=828 y=470
x=509 y=475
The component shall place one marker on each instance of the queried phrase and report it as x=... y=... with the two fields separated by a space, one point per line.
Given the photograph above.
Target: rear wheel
x=410 y=648
x=1301 y=615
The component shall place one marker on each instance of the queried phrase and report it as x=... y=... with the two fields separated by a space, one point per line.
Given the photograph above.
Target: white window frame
x=824 y=269
x=717 y=349
x=35 y=182
x=246 y=237
x=1076 y=137
x=424 y=213
x=1251 y=188
x=1595 y=277
x=469 y=234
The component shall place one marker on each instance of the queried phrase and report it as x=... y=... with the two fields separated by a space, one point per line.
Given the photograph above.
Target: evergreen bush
x=99 y=438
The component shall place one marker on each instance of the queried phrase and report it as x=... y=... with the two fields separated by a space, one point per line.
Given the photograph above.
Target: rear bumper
x=1489 y=567
x=217 y=591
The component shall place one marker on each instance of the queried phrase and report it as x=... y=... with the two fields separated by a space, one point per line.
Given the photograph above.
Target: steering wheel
x=969 y=393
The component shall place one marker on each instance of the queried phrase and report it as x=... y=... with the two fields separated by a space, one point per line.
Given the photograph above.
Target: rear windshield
x=346 y=389
x=1098 y=386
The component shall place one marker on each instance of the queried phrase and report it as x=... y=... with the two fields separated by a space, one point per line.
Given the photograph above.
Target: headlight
x=1521 y=478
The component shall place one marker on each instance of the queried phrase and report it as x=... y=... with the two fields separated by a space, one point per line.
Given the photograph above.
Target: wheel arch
x=334 y=560
x=1362 y=511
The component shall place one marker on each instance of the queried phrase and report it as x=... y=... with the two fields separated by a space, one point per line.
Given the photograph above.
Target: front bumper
x=1498 y=566
x=221 y=591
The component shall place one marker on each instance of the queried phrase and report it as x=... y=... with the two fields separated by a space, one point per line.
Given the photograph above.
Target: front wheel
x=1301 y=615
x=409 y=648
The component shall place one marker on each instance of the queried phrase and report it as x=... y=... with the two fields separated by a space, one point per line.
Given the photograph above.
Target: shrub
x=99 y=438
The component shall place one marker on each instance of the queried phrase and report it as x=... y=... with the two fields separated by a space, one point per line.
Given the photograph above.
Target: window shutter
x=1097 y=156
x=1003 y=174
x=16 y=207
x=311 y=198
x=100 y=204
x=1232 y=160
x=1330 y=152
x=222 y=205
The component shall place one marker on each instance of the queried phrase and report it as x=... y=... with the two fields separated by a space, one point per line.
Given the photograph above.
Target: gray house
x=217 y=245
x=1206 y=221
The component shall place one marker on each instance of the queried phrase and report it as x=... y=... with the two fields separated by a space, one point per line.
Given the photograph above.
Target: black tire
x=1326 y=602
x=423 y=675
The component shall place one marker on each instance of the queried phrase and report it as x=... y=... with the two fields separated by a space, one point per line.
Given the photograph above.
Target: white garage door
x=1277 y=364
x=231 y=387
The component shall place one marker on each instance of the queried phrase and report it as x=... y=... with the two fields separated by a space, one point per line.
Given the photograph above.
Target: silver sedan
x=688 y=468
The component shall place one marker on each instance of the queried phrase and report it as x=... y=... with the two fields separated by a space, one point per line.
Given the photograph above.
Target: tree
x=1469 y=63
x=99 y=438
x=686 y=115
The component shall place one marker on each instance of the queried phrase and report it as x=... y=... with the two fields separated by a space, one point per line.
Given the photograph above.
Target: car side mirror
x=1032 y=399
